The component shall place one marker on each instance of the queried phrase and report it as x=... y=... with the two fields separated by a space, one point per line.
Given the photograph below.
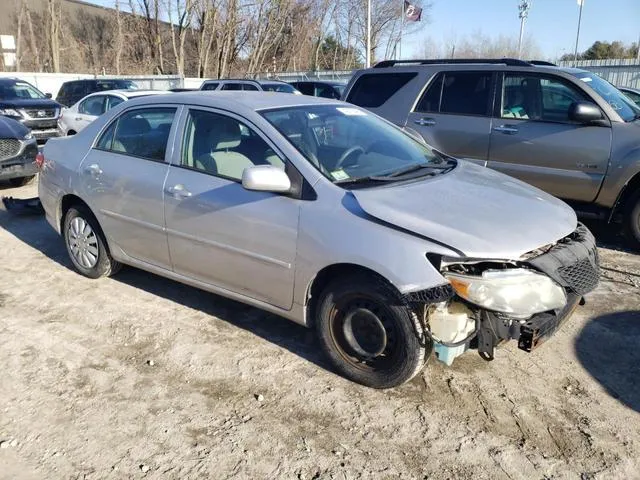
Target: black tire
x=391 y=352
x=633 y=221
x=21 y=181
x=103 y=265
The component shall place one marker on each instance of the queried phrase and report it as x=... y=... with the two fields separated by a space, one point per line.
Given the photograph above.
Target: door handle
x=425 y=122
x=508 y=129
x=94 y=170
x=178 y=191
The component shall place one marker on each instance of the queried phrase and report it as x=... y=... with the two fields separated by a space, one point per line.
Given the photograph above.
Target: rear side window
x=459 y=93
x=210 y=86
x=249 y=87
x=372 y=90
x=140 y=133
x=232 y=86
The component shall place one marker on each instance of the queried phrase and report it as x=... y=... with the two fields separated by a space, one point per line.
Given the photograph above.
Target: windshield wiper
x=415 y=168
x=366 y=179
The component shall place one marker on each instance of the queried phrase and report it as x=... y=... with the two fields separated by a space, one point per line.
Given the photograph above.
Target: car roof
x=233 y=101
x=12 y=80
x=128 y=93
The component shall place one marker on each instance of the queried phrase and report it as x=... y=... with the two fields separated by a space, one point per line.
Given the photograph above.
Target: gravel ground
x=136 y=376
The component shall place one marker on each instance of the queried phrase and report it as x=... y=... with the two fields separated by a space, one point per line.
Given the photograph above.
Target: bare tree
x=179 y=28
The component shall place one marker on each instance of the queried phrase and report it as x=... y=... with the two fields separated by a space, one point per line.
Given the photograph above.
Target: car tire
x=633 y=221
x=369 y=333
x=86 y=245
x=21 y=181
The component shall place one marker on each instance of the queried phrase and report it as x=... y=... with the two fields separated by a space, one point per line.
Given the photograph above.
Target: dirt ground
x=137 y=376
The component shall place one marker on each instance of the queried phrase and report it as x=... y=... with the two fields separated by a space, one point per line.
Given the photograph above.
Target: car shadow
x=607 y=347
x=610 y=235
x=35 y=232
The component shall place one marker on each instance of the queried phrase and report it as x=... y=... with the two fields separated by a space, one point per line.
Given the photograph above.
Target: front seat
x=223 y=137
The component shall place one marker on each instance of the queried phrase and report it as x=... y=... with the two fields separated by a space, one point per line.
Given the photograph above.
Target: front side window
x=92 y=106
x=210 y=86
x=373 y=90
x=278 y=87
x=622 y=104
x=141 y=133
x=113 y=101
x=223 y=146
x=534 y=97
x=348 y=144
x=250 y=87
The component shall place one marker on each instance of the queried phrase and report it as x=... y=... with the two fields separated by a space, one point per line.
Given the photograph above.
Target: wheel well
x=69 y=201
x=326 y=276
x=631 y=188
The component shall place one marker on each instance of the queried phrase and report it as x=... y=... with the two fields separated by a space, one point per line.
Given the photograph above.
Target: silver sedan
x=325 y=214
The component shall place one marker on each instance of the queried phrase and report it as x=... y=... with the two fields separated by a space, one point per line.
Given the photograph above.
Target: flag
x=412 y=13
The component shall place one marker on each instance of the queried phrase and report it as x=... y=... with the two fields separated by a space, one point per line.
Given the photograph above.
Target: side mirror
x=584 y=112
x=48 y=95
x=266 y=178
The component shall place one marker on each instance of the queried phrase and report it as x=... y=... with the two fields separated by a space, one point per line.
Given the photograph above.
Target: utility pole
x=523 y=7
x=368 y=55
x=575 y=53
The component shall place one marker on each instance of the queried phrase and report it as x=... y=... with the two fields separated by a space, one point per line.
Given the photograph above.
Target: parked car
x=325 y=214
x=248 y=85
x=73 y=91
x=21 y=101
x=75 y=118
x=18 y=150
x=632 y=93
x=317 y=88
x=564 y=130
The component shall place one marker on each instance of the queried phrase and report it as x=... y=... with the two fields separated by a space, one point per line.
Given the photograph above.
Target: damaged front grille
x=573 y=262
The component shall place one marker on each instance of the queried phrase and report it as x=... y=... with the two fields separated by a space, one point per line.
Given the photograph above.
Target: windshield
x=348 y=144
x=278 y=87
x=622 y=104
x=19 y=90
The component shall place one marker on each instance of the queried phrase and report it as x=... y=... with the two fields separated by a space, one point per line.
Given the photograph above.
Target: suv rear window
x=372 y=90
x=460 y=93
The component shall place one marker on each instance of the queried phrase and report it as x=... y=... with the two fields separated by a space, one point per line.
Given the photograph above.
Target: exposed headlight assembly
x=9 y=112
x=515 y=291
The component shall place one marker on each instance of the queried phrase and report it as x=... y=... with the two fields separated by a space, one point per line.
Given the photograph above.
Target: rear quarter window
x=372 y=90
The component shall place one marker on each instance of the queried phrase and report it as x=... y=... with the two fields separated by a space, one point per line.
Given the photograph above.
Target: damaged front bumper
x=572 y=263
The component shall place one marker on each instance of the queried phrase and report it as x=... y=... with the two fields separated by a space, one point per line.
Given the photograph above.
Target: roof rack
x=514 y=62
x=542 y=63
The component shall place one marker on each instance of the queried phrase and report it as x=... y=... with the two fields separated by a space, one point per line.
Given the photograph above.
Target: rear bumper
x=22 y=165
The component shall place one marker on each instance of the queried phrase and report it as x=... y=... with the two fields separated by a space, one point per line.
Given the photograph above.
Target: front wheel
x=369 y=334
x=633 y=221
x=86 y=244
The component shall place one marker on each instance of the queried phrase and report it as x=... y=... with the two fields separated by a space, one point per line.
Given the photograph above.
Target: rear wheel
x=86 y=244
x=369 y=334
x=21 y=181
x=633 y=220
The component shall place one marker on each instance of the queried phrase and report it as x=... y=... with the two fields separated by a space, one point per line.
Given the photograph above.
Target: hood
x=28 y=103
x=10 y=128
x=477 y=211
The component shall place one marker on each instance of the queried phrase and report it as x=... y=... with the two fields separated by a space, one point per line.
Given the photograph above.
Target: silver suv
x=325 y=214
x=566 y=131
x=249 y=85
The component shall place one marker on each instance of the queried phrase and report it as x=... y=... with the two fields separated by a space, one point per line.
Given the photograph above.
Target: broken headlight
x=514 y=291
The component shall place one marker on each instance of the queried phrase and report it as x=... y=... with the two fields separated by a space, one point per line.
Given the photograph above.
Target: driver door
x=534 y=139
x=220 y=233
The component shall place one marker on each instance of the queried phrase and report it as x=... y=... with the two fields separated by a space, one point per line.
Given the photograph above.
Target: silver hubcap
x=83 y=243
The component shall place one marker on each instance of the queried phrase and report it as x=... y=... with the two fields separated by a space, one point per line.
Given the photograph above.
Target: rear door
x=454 y=114
x=533 y=138
x=123 y=177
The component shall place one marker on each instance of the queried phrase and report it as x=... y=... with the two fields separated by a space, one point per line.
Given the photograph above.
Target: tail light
x=40 y=160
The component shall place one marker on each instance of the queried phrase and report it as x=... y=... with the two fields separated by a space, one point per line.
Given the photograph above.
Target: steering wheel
x=347 y=154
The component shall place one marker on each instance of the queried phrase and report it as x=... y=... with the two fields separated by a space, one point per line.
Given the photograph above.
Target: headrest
x=225 y=133
x=135 y=126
